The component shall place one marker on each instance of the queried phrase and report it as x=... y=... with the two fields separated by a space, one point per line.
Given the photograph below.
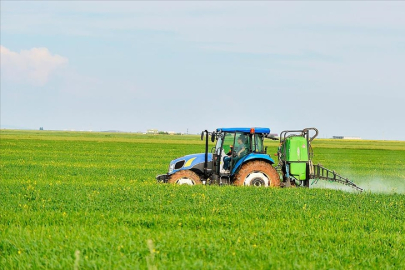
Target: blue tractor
x=239 y=158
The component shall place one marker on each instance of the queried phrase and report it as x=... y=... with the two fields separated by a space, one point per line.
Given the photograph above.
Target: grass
x=90 y=200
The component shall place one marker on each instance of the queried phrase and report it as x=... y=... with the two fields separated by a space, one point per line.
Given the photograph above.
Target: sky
x=187 y=66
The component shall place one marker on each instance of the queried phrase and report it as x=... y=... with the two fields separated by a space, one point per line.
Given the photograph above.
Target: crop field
x=86 y=200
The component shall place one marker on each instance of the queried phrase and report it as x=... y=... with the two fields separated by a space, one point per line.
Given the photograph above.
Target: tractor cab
x=235 y=145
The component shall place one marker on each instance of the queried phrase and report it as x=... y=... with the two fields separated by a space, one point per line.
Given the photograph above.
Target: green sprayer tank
x=295 y=150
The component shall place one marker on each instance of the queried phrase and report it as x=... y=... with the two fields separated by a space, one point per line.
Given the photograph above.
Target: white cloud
x=33 y=66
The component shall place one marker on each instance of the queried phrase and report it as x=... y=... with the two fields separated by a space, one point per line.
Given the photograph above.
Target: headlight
x=171 y=167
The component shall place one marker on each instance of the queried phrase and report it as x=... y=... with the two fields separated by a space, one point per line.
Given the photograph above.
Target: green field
x=90 y=201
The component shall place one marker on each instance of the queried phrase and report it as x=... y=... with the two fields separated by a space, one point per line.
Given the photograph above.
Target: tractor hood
x=187 y=162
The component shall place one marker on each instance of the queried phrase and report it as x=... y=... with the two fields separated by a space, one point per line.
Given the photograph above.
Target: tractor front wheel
x=185 y=177
x=257 y=173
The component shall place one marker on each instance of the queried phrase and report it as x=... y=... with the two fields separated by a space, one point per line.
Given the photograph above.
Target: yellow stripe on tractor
x=188 y=163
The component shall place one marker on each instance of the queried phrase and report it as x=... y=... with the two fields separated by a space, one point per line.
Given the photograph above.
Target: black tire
x=257 y=173
x=185 y=177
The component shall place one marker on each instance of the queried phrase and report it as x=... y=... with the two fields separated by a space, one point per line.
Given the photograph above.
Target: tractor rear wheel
x=185 y=177
x=257 y=173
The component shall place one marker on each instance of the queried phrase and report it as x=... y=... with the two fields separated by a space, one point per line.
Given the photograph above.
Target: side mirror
x=213 y=136
x=273 y=137
x=202 y=135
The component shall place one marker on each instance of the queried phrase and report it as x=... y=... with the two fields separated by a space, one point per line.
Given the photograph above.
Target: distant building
x=346 y=138
x=152 y=131
x=171 y=132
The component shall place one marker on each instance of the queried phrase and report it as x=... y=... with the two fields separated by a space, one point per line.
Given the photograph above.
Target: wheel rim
x=185 y=181
x=257 y=179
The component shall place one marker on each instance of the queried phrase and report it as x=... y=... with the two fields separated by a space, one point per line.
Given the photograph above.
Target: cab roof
x=244 y=130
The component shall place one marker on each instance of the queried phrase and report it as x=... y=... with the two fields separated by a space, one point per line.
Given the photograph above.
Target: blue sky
x=178 y=66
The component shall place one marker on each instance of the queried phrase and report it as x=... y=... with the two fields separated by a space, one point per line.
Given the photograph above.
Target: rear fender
x=251 y=156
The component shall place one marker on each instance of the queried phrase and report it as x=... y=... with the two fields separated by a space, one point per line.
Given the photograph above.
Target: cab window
x=242 y=144
x=228 y=142
x=257 y=143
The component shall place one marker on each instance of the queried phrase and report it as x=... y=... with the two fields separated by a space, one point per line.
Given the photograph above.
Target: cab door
x=223 y=149
x=242 y=147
